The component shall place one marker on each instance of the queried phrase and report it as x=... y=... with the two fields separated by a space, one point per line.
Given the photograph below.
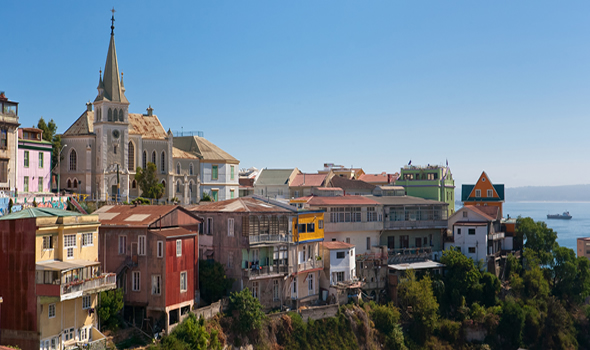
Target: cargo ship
x=565 y=216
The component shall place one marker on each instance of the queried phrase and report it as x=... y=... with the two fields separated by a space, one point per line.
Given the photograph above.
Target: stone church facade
x=106 y=144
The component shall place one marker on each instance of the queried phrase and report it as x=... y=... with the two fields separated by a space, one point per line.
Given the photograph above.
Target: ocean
x=567 y=230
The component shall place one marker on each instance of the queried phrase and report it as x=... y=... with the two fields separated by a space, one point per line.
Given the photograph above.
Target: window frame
x=490 y=193
x=49 y=307
x=471 y=250
x=141 y=247
x=89 y=305
x=178 y=248
x=230 y=227
x=160 y=249
x=183 y=273
x=157 y=285
x=470 y=230
x=85 y=240
x=340 y=255
x=136 y=287
x=26 y=160
x=123 y=248
x=215 y=172
x=477 y=193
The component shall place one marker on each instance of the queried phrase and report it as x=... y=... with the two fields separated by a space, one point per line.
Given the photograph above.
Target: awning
x=64 y=266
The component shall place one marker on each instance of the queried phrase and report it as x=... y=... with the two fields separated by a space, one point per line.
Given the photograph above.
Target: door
x=390 y=242
x=114 y=192
x=418 y=242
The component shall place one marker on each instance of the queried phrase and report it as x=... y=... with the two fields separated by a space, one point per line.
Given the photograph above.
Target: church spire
x=112 y=85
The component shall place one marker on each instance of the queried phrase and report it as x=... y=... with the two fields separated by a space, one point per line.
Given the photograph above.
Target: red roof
x=341 y=200
x=308 y=180
x=131 y=215
x=489 y=212
x=337 y=245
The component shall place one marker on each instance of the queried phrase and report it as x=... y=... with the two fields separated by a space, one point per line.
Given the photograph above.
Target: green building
x=429 y=182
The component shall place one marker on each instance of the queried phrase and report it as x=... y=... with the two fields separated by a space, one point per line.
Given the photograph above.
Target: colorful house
x=8 y=147
x=51 y=279
x=34 y=157
x=429 y=182
x=483 y=193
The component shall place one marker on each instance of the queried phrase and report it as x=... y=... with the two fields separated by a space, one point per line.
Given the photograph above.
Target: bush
x=247 y=311
x=111 y=303
x=449 y=330
x=213 y=281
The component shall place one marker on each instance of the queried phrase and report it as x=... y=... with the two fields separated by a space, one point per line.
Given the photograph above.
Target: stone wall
x=319 y=312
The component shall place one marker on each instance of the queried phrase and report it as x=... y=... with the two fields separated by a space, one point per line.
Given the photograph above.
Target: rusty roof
x=337 y=245
x=174 y=232
x=131 y=215
x=308 y=180
x=178 y=153
x=240 y=205
x=149 y=127
x=341 y=200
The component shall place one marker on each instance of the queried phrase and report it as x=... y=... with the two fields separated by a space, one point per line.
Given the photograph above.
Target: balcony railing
x=310 y=264
x=496 y=236
x=266 y=238
x=392 y=225
x=262 y=271
x=74 y=289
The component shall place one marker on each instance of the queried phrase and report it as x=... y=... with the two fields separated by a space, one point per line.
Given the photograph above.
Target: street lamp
x=59 y=168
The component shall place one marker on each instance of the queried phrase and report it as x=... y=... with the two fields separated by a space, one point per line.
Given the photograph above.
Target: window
x=471 y=231
x=136 y=281
x=490 y=193
x=51 y=311
x=144 y=161
x=232 y=194
x=69 y=334
x=160 y=249
x=121 y=116
x=214 y=195
x=87 y=239
x=178 y=247
x=191 y=170
x=404 y=241
x=232 y=174
x=310 y=283
x=340 y=276
x=163 y=163
x=133 y=184
x=3 y=138
x=3 y=170
x=26 y=159
x=209 y=226
x=86 y=302
x=75 y=183
x=122 y=244
x=347 y=240
x=69 y=183
x=110 y=115
x=230 y=227
x=183 y=281
x=345 y=214
x=368 y=243
x=458 y=231
x=339 y=255
x=47 y=242
x=255 y=290
x=477 y=193
x=156 y=283
x=178 y=186
x=472 y=250
x=141 y=245
x=296 y=194
x=390 y=242
x=320 y=224
x=154 y=158
x=275 y=290
x=82 y=333
x=26 y=184
x=295 y=285
x=371 y=214
x=131 y=156
x=214 y=172
x=465 y=214
x=73 y=160
x=230 y=260
x=69 y=241
x=40 y=184
x=177 y=168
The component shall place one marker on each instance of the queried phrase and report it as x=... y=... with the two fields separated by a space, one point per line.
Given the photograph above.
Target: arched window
x=98 y=116
x=190 y=169
x=110 y=117
x=154 y=158
x=121 y=115
x=144 y=163
x=133 y=184
x=163 y=163
x=75 y=183
x=73 y=160
x=178 y=186
x=164 y=183
x=177 y=168
x=69 y=185
x=190 y=189
x=131 y=157
x=115 y=149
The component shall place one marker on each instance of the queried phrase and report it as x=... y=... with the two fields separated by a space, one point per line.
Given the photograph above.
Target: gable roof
x=178 y=153
x=308 y=180
x=489 y=212
x=148 y=126
x=346 y=184
x=84 y=125
x=274 y=177
x=131 y=215
x=241 y=205
x=204 y=149
x=483 y=182
x=36 y=212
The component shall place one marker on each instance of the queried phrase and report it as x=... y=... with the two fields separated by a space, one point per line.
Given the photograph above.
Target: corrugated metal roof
x=308 y=180
x=405 y=200
x=131 y=215
x=237 y=205
x=174 y=232
x=39 y=212
x=346 y=184
x=274 y=177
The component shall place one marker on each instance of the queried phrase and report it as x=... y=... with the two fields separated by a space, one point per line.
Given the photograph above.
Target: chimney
x=150 y=111
x=88 y=106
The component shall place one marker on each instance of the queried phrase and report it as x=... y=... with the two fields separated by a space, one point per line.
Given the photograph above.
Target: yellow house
x=67 y=279
x=308 y=233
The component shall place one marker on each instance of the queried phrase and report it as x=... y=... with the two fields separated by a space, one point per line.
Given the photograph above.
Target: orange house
x=483 y=193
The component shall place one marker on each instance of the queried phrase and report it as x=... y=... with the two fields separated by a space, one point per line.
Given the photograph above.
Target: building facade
x=34 y=168
x=8 y=143
x=483 y=193
x=429 y=182
x=274 y=183
x=50 y=257
x=339 y=276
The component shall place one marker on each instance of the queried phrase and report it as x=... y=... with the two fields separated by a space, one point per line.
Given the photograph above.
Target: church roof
x=204 y=149
x=82 y=126
x=178 y=153
x=149 y=127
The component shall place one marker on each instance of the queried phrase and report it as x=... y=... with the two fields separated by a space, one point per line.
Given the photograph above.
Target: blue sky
x=497 y=86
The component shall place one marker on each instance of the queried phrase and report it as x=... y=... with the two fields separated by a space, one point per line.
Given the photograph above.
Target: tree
x=418 y=305
x=148 y=182
x=570 y=275
x=247 y=311
x=490 y=288
x=49 y=134
x=511 y=324
x=539 y=238
x=111 y=303
x=213 y=282
x=461 y=281
x=386 y=320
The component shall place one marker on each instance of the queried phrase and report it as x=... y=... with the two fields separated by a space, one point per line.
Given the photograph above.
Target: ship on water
x=565 y=216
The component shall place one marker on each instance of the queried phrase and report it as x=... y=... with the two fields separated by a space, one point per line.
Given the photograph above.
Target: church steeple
x=113 y=90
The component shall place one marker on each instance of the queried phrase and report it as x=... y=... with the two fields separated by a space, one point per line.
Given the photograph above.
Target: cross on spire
x=113 y=21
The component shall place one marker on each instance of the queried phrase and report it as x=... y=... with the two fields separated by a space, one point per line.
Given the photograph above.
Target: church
x=105 y=145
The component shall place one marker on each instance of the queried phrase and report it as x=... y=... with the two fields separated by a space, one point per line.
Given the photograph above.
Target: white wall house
x=340 y=265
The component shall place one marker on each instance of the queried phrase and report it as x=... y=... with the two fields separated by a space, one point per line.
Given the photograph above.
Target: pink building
x=34 y=161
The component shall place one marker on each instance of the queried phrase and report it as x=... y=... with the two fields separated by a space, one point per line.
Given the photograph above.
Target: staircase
x=77 y=205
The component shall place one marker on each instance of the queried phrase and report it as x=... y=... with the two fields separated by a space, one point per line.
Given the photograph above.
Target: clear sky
x=499 y=86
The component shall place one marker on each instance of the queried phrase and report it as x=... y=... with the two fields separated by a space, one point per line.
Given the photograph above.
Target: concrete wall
x=356 y=238
x=224 y=184
x=319 y=312
x=33 y=171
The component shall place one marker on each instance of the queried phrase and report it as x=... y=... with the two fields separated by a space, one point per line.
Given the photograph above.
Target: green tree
x=49 y=134
x=386 y=320
x=570 y=276
x=539 y=238
x=418 y=305
x=490 y=288
x=213 y=281
x=461 y=281
x=247 y=311
x=511 y=324
x=148 y=182
x=111 y=303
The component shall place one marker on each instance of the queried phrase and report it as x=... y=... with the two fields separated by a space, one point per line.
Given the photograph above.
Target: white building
x=476 y=231
x=339 y=270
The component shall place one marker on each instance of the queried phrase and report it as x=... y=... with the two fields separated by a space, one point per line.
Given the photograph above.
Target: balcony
x=310 y=264
x=256 y=271
x=97 y=284
x=403 y=255
x=270 y=239
x=496 y=236
x=413 y=224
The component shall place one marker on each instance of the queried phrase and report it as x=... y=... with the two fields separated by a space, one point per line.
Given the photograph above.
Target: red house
x=154 y=250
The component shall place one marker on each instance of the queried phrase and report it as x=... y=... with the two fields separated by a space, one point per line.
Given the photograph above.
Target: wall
x=23 y=202
x=224 y=183
x=357 y=238
x=33 y=171
x=303 y=218
x=208 y=312
x=333 y=264
x=319 y=312
x=433 y=238
x=175 y=265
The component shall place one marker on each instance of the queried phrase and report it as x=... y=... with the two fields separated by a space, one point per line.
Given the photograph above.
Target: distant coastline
x=548 y=194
